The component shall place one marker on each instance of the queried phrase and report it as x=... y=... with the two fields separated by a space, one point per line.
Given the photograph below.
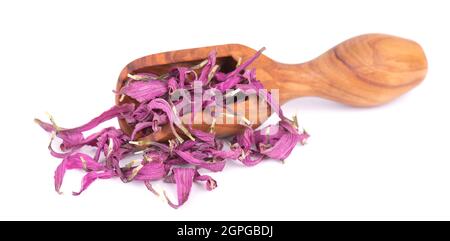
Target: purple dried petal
x=159 y=146
x=69 y=138
x=109 y=140
x=141 y=113
x=245 y=64
x=154 y=155
x=44 y=125
x=212 y=166
x=199 y=154
x=82 y=161
x=252 y=159
x=182 y=74
x=73 y=138
x=158 y=121
x=90 y=177
x=280 y=144
x=58 y=154
x=186 y=145
x=115 y=111
x=176 y=162
x=232 y=154
x=99 y=140
x=288 y=126
x=75 y=161
x=140 y=126
x=304 y=137
x=113 y=163
x=183 y=179
x=208 y=67
x=151 y=171
x=252 y=85
x=145 y=90
x=246 y=139
x=203 y=136
x=164 y=106
x=59 y=176
x=172 y=85
x=228 y=83
x=220 y=76
x=210 y=183
x=269 y=134
x=113 y=146
x=188 y=157
x=250 y=75
x=282 y=147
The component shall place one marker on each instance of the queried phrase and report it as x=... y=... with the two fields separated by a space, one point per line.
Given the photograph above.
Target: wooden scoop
x=364 y=71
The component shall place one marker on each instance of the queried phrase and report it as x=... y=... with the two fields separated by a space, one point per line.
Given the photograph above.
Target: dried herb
x=179 y=160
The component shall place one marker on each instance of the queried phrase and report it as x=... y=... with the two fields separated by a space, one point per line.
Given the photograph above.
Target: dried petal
x=282 y=147
x=210 y=183
x=148 y=172
x=90 y=177
x=212 y=166
x=139 y=127
x=183 y=179
x=113 y=112
x=145 y=90
x=304 y=137
x=203 y=136
x=75 y=161
x=246 y=63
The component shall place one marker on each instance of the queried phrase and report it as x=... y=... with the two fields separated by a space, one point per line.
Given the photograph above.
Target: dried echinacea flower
x=180 y=160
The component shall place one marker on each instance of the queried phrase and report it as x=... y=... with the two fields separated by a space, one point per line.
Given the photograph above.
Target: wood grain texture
x=364 y=71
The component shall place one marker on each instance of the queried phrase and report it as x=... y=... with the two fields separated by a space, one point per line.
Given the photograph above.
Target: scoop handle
x=364 y=71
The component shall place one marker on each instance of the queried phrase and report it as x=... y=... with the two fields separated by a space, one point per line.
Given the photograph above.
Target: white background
x=64 y=57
